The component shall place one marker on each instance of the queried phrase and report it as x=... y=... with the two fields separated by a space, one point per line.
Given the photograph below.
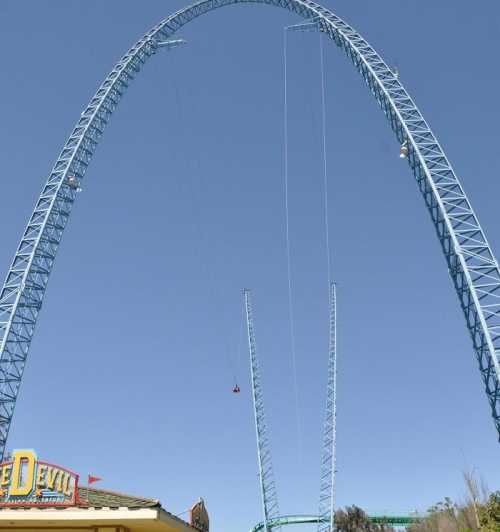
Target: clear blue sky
x=129 y=375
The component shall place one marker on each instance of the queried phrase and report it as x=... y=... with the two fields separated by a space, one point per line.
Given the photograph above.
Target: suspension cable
x=325 y=160
x=240 y=343
x=287 y=236
x=193 y=183
x=333 y=303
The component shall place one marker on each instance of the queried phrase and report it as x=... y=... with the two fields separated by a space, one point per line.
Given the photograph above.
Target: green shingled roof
x=95 y=498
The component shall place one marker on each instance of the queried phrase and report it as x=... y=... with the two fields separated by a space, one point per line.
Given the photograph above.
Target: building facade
x=37 y=496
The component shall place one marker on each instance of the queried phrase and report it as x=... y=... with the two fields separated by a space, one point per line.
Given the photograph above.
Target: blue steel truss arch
x=471 y=263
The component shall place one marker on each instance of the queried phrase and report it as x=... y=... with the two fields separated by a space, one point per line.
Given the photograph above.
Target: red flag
x=92 y=479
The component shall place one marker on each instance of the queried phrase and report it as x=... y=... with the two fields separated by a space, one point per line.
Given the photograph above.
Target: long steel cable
x=331 y=291
x=194 y=182
x=288 y=253
x=325 y=159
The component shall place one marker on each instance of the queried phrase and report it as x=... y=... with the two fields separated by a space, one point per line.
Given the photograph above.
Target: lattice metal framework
x=472 y=266
x=269 y=496
x=329 y=457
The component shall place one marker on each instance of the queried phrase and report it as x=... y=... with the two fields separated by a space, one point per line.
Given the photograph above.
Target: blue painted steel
x=391 y=520
x=472 y=266
x=329 y=457
x=270 y=509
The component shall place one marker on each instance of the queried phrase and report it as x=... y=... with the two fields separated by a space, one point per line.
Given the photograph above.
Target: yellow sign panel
x=25 y=481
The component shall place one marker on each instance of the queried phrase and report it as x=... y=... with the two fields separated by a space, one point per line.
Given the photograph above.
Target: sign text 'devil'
x=25 y=481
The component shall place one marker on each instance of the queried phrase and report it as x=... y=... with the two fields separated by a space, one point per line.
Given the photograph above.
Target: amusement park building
x=37 y=496
x=97 y=511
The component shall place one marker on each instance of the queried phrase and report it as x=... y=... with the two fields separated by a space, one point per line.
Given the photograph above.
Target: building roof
x=96 y=508
x=98 y=498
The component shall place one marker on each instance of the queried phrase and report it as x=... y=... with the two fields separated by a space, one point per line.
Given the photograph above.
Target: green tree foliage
x=354 y=519
x=447 y=516
x=489 y=514
x=480 y=512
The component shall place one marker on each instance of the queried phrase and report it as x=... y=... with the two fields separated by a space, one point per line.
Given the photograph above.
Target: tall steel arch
x=472 y=266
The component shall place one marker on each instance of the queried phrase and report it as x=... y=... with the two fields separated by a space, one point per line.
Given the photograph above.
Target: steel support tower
x=270 y=508
x=471 y=264
x=329 y=457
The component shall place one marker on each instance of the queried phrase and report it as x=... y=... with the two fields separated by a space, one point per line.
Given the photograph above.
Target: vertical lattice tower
x=328 y=460
x=269 y=496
